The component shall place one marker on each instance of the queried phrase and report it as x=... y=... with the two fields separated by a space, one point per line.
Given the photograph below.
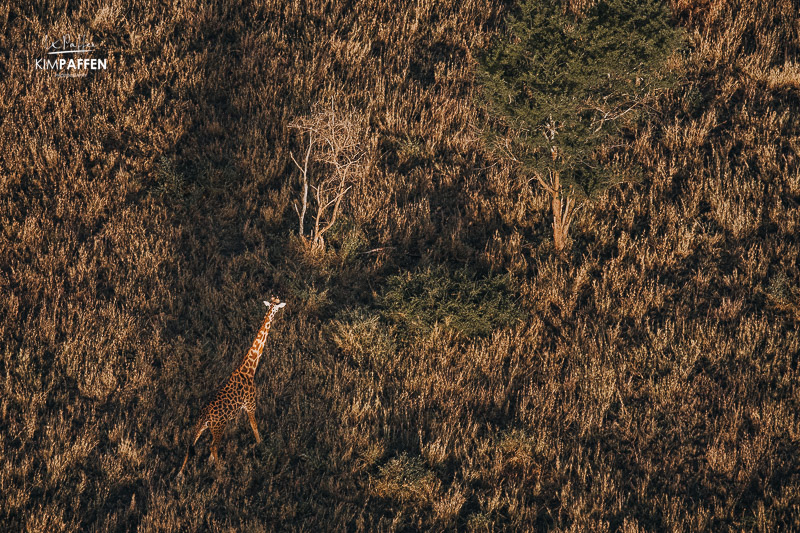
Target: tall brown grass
x=649 y=382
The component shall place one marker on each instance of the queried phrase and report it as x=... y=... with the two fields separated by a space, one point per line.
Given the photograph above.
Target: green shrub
x=457 y=300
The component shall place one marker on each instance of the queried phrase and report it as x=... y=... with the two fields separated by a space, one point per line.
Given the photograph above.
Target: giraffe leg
x=251 y=416
x=185 y=460
x=191 y=449
x=217 y=433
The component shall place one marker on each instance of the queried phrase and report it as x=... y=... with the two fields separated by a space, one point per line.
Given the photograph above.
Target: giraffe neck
x=250 y=361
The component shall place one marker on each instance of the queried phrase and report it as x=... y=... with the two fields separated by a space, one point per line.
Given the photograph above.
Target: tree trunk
x=563 y=209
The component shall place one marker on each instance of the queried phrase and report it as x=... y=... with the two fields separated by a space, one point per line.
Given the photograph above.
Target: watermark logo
x=68 y=57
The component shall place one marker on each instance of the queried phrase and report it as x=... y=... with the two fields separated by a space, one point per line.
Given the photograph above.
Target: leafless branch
x=336 y=139
x=301 y=213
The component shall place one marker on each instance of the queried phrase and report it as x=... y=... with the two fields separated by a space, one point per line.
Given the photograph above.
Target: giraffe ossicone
x=237 y=393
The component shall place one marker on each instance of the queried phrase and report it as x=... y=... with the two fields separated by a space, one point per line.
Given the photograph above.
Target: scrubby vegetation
x=646 y=380
x=569 y=84
x=457 y=301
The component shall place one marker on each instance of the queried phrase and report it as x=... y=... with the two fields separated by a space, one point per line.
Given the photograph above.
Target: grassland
x=437 y=367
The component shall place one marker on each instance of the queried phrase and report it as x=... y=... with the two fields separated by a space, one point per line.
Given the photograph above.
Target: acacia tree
x=566 y=80
x=335 y=145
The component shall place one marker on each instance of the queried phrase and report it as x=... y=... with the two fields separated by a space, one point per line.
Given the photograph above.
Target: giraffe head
x=274 y=304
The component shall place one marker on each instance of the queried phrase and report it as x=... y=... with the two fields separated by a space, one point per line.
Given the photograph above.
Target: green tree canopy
x=570 y=83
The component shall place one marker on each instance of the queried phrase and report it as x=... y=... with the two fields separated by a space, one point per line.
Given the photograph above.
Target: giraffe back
x=238 y=392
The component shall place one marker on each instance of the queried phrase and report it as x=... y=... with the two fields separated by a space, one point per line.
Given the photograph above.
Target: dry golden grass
x=650 y=383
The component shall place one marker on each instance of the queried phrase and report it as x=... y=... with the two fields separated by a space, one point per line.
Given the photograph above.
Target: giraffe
x=238 y=392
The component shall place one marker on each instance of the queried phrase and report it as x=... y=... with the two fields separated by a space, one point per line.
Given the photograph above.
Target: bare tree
x=304 y=170
x=335 y=144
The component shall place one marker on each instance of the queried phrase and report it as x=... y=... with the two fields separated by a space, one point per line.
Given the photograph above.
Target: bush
x=457 y=300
